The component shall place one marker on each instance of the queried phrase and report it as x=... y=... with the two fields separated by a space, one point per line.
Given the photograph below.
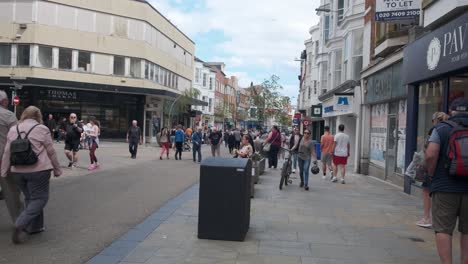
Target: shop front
x=435 y=68
x=339 y=109
x=115 y=111
x=385 y=99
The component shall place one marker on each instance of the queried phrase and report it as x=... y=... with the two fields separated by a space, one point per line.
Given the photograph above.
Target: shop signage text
x=389 y=10
x=444 y=50
x=62 y=94
x=339 y=105
x=385 y=85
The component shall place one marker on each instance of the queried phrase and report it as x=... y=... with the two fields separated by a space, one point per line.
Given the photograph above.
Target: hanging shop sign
x=391 y=10
x=316 y=110
x=442 y=51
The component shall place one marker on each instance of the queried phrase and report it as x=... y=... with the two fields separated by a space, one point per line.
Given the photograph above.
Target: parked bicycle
x=286 y=170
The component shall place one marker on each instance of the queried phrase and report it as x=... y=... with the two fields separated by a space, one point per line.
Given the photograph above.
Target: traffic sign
x=306 y=122
x=16 y=100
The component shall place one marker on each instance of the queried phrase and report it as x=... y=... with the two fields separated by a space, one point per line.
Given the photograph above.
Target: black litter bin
x=224 y=203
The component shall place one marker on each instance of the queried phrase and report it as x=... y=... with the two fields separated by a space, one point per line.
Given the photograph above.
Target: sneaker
x=293 y=171
x=324 y=177
x=343 y=181
x=92 y=167
x=424 y=223
x=301 y=185
x=70 y=164
x=160 y=158
x=306 y=188
x=334 y=179
x=74 y=165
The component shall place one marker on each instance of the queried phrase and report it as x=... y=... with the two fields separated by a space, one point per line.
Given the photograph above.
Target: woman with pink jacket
x=32 y=180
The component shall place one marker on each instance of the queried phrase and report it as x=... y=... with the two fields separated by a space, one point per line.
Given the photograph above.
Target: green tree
x=182 y=103
x=268 y=100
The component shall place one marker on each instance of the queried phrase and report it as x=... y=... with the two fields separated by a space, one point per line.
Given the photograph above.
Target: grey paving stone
x=149 y=225
x=100 y=259
x=119 y=248
x=140 y=254
x=136 y=235
x=271 y=259
x=285 y=248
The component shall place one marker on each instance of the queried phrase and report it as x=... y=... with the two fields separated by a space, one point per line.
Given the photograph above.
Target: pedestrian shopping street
x=364 y=221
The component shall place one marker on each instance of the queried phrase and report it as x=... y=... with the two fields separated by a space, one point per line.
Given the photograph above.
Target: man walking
x=215 y=141
x=449 y=185
x=326 y=150
x=237 y=137
x=72 y=139
x=179 y=142
x=294 y=142
x=134 y=137
x=341 y=151
x=9 y=190
x=51 y=124
x=197 y=143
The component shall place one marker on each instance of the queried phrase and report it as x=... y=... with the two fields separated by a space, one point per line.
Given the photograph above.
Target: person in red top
x=326 y=149
x=275 y=139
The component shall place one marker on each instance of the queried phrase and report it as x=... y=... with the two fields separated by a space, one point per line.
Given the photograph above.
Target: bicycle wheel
x=281 y=182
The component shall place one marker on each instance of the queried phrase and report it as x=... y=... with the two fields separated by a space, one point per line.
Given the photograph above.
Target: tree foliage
x=268 y=100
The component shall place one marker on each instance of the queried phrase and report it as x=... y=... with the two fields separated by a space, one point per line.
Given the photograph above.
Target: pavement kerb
x=121 y=247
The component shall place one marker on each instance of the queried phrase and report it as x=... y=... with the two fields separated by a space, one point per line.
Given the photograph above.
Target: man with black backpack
x=447 y=167
x=72 y=139
x=9 y=190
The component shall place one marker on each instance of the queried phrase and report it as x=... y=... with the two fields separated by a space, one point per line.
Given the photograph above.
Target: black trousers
x=179 y=149
x=273 y=156
x=133 y=147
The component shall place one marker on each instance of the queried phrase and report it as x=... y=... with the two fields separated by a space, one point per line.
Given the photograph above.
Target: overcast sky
x=254 y=38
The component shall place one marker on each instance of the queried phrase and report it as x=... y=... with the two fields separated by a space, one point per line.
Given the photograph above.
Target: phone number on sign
x=397 y=14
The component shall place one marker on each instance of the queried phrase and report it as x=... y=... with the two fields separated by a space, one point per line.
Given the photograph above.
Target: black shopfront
x=435 y=68
x=114 y=110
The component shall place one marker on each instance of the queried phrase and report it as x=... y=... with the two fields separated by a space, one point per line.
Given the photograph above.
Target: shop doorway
x=392 y=146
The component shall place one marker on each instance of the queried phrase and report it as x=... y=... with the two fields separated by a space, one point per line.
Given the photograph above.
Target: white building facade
x=204 y=81
x=339 y=63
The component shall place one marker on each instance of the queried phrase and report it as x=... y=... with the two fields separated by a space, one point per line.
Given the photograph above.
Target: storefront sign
x=390 y=10
x=65 y=95
x=338 y=105
x=385 y=85
x=296 y=121
x=440 y=52
x=316 y=111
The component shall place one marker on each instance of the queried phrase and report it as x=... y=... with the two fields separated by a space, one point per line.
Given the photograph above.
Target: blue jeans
x=304 y=170
x=294 y=160
x=196 y=148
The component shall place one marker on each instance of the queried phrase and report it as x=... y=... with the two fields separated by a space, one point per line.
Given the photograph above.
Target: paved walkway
x=364 y=221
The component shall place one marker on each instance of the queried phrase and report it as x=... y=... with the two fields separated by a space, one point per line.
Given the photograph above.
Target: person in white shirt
x=341 y=151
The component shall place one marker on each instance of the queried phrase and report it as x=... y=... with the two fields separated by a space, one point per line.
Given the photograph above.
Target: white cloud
x=261 y=32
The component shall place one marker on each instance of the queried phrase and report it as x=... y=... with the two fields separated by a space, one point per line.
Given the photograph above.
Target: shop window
x=44 y=58
x=147 y=70
x=197 y=75
x=119 y=65
x=338 y=59
x=65 y=59
x=135 y=68
x=458 y=87
x=156 y=73
x=5 y=54
x=84 y=61
x=340 y=9
x=152 y=72
x=23 y=55
x=326 y=30
x=358 y=36
x=430 y=101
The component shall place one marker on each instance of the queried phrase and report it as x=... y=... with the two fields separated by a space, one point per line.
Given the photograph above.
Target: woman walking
x=164 y=140
x=93 y=140
x=426 y=222
x=306 y=151
x=274 y=138
x=32 y=180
